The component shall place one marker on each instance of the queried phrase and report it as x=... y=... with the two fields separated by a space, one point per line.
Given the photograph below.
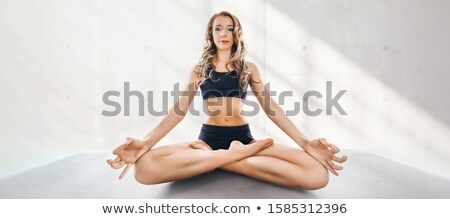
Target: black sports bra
x=222 y=85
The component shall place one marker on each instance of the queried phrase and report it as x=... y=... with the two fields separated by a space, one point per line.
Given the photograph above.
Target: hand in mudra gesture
x=325 y=152
x=128 y=153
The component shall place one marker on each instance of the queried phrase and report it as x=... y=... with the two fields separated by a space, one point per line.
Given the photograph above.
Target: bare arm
x=176 y=114
x=320 y=149
x=129 y=152
x=273 y=110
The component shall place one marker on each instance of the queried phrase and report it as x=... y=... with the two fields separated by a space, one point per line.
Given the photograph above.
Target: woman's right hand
x=128 y=153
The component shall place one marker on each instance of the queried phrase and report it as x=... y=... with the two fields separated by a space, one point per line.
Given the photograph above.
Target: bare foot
x=250 y=149
x=200 y=146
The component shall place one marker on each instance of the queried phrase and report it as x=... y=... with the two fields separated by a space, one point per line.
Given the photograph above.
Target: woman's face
x=223 y=32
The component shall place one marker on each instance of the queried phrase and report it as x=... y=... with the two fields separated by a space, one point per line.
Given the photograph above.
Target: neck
x=222 y=57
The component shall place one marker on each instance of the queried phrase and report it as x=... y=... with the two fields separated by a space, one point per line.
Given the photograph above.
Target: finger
x=115 y=160
x=119 y=149
x=110 y=161
x=336 y=167
x=334 y=149
x=339 y=160
x=118 y=165
x=331 y=169
x=127 y=142
x=125 y=171
x=324 y=144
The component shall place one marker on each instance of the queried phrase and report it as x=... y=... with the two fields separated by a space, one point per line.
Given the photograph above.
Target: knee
x=140 y=178
x=318 y=182
x=146 y=175
x=316 y=178
x=147 y=179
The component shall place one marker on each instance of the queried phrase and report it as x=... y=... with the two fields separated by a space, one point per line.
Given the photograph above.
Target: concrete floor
x=87 y=176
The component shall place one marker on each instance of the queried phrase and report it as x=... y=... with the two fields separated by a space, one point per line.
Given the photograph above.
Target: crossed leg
x=180 y=161
x=277 y=164
x=283 y=165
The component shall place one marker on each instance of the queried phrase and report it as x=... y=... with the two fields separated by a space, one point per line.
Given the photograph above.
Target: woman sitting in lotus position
x=225 y=140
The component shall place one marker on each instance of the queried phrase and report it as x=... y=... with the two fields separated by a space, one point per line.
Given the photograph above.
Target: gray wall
x=57 y=59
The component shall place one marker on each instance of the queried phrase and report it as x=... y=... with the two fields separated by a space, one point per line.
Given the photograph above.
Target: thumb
x=130 y=140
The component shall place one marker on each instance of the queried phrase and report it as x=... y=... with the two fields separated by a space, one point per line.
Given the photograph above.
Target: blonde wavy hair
x=238 y=52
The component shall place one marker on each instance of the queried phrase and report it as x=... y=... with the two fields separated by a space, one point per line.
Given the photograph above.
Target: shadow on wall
x=356 y=49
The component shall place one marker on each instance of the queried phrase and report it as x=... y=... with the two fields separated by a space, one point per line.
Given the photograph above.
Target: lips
x=224 y=41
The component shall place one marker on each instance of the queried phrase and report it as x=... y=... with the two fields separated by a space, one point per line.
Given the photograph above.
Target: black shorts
x=220 y=137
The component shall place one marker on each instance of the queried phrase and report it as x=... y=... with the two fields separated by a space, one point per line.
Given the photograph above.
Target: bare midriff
x=224 y=111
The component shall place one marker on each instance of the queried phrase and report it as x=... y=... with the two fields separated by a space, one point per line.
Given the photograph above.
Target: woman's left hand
x=325 y=152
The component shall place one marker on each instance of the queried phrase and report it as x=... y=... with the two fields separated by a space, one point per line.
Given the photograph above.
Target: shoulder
x=253 y=69
x=195 y=70
x=250 y=65
x=194 y=74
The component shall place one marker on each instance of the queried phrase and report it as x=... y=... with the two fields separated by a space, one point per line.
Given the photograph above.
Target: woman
x=225 y=140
